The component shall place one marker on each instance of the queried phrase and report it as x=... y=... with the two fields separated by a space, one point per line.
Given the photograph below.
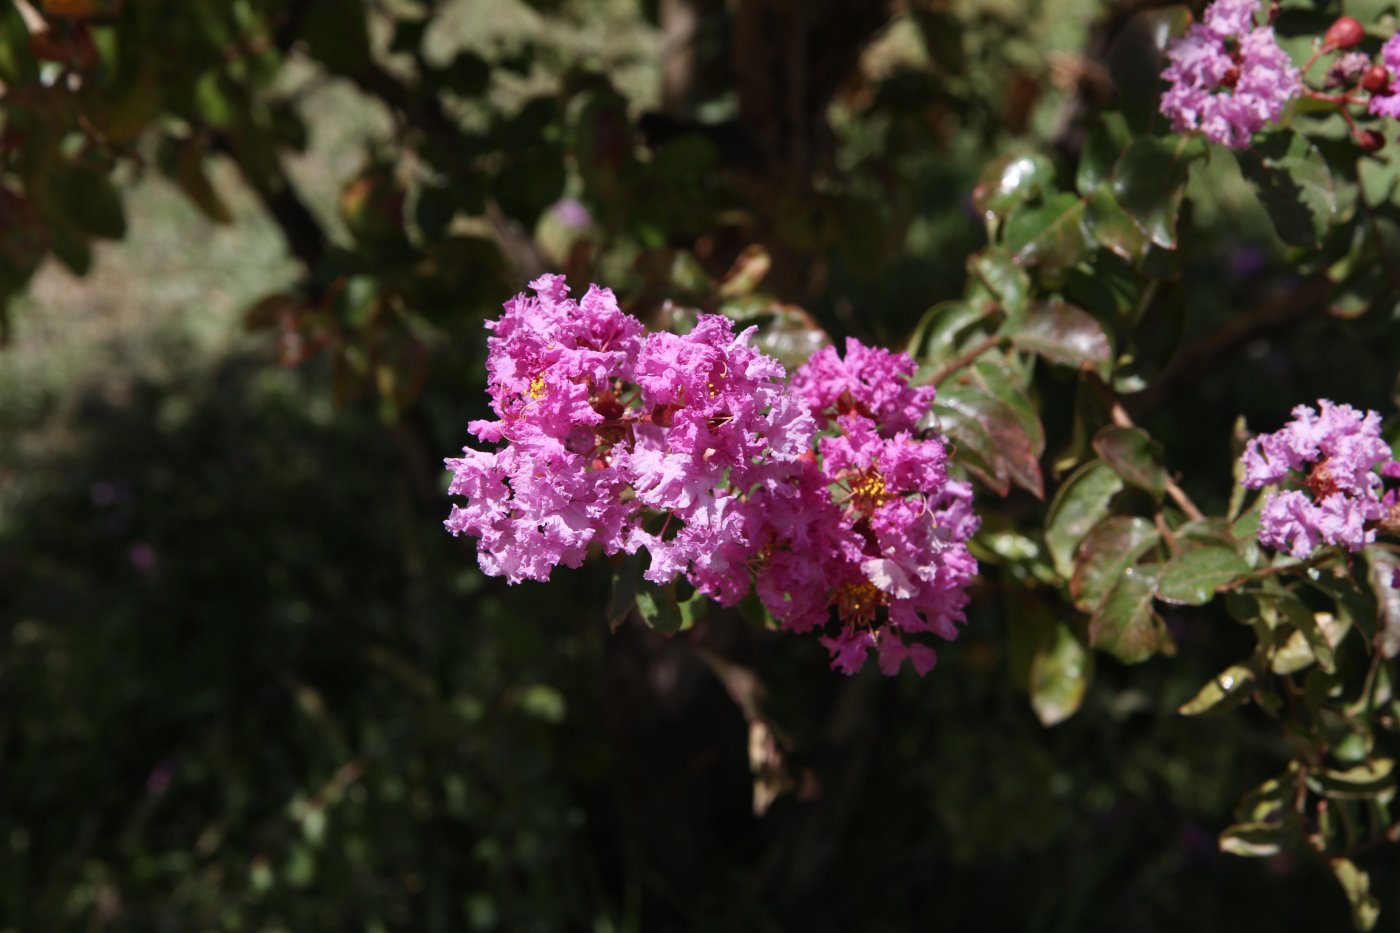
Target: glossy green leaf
x=975 y=450
x=1011 y=180
x=1111 y=227
x=1062 y=333
x=1013 y=454
x=1124 y=623
x=1050 y=235
x=1106 y=554
x=1149 y=182
x=1193 y=577
x=998 y=380
x=1294 y=184
x=1222 y=691
x=1080 y=504
x=1134 y=456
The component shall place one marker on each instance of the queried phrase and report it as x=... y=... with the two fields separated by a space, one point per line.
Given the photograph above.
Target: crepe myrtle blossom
x=817 y=493
x=1335 y=451
x=1228 y=76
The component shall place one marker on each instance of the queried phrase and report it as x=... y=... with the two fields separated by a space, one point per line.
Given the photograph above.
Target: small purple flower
x=1335 y=451
x=1228 y=77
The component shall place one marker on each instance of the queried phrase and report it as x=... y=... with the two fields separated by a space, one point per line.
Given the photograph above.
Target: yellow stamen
x=537 y=387
x=868 y=491
x=856 y=602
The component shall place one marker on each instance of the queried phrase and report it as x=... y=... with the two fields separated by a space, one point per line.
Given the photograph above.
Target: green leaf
x=1011 y=180
x=1149 y=182
x=975 y=451
x=1046 y=659
x=1124 y=624
x=1363 y=782
x=623 y=595
x=1059 y=675
x=1004 y=279
x=1010 y=450
x=658 y=609
x=1106 y=555
x=1079 y=505
x=1104 y=144
x=1221 y=692
x=1254 y=840
x=1294 y=184
x=1192 y=577
x=1062 y=333
x=938 y=335
x=1301 y=618
x=1365 y=906
x=1050 y=235
x=998 y=380
x=1111 y=227
x=1134 y=456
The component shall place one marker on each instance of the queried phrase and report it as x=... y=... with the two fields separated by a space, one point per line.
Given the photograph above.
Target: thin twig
x=964 y=358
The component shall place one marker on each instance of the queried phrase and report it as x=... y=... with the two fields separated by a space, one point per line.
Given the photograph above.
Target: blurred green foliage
x=249 y=682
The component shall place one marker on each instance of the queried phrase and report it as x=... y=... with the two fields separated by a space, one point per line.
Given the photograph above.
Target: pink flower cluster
x=819 y=494
x=1337 y=451
x=1228 y=76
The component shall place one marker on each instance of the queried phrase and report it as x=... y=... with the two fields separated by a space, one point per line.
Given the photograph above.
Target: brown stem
x=963 y=359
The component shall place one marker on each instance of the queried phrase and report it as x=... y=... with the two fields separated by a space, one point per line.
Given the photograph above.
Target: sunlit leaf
x=1062 y=333
x=1079 y=504
x=1225 y=689
x=1106 y=554
x=1193 y=577
x=1124 y=623
x=1365 y=906
x=1134 y=456
x=1050 y=235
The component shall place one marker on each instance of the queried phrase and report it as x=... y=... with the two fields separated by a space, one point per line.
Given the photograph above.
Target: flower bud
x=1376 y=79
x=1343 y=34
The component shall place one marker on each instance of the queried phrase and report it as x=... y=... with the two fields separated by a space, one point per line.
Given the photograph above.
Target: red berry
x=1370 y=140
x=1376 y=79
x=1343 y=34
